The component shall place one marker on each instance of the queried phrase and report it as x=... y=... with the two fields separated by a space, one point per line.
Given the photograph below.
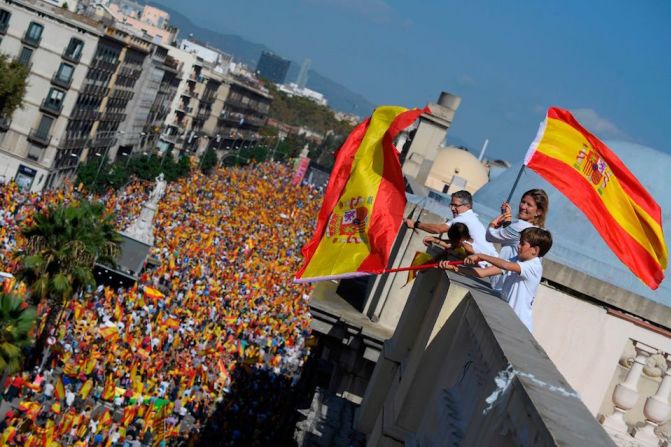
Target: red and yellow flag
x=420 y=258
x=364 y=202
x=172 y=322
x=591 y=176
x=109 y=332
x=86 y=389
x=59 y=389
x=109 y=388
x=153 y=293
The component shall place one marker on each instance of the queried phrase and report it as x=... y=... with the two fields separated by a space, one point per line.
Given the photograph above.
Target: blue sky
x=607 y=61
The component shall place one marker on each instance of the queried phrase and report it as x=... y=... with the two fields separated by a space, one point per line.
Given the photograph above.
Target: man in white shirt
x=69 y=397
x=461 y=204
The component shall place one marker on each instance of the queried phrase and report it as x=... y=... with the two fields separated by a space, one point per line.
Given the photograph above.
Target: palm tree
x=62 y=245
x=16 y=323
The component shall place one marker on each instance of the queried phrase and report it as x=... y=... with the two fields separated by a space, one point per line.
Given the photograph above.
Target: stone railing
x=652 y=362
x=461 y=369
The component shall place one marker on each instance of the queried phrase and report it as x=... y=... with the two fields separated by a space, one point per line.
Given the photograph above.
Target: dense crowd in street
x=150 y=364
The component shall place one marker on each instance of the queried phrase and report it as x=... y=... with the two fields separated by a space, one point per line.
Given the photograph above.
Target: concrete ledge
x=474 y=376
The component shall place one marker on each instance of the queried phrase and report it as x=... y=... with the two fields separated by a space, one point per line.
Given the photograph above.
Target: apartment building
x=149 y=20
x=158 y=113
x=214 y=107
x=58 y=48
x=108 y=89
x=244 y=113
x=141 y=120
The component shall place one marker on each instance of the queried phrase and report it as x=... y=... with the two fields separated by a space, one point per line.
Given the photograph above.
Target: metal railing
x=39 y=137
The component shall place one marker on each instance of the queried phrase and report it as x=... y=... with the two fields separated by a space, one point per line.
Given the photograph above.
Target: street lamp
x=100 y=165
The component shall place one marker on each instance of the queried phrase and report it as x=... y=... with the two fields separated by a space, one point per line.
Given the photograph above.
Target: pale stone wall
x=586 y=343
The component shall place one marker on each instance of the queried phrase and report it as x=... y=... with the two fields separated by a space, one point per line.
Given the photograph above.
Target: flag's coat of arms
x=593 y=167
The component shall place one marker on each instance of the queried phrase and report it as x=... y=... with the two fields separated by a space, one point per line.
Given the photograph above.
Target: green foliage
x=297 y=111
x=97 y=178
x=209 y=161
x=62 y=245
x=16 y=323
x=13 y=84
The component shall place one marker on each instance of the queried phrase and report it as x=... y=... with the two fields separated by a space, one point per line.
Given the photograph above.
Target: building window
x=74 y=49
x=54 y=100
x=25 y=55
x=34 y=34
x=4 y=20
x=64 y=74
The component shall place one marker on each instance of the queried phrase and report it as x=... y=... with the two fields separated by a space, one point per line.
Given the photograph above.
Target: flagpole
x=420 y=267
x=512 y=191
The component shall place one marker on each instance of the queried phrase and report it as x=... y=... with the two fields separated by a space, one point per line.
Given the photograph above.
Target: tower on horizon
x=272 y=67
x=302 y=79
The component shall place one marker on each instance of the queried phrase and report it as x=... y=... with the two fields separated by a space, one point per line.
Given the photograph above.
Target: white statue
x=158 y=190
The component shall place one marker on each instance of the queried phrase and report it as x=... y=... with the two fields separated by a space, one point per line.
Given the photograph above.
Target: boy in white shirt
x=526 y=270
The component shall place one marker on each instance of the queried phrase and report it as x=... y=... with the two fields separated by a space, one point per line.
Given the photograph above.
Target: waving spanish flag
x=363 y=204
x=591 y=176
x=153 y=293
x=108 y=333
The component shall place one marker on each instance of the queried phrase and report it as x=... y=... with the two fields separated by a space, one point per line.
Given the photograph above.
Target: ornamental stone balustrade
x=657 y=408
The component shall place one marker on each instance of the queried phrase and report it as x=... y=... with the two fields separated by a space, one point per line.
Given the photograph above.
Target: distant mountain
x=340 y=98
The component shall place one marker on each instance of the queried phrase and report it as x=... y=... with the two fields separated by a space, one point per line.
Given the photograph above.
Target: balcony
x=75 y=143
x=103 y=142
x=3 y=27
x=31 y=41
x=60 y=82
x=4 y=123
x=256 y=122
x=102 y=64
x=112 y=116
x=39 y=137
x=95 y=90
x=86 y=115
x=52 y=107
x=238 y=104
x=72 y=57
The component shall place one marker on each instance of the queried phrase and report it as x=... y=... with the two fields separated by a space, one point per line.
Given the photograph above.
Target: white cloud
x=375 y=10
x=465 y=80
x=598 y=125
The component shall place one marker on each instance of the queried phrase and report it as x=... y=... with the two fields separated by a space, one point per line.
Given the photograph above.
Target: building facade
x=152 y=21
x=58 y=47
x=214 y=107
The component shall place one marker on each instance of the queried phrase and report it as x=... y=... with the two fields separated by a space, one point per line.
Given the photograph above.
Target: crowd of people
x=150 y=364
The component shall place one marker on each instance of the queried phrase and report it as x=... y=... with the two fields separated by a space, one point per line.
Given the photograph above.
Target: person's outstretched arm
x=493 y=260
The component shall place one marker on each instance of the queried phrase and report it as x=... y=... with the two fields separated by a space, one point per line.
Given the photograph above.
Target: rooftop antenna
x=482 y=151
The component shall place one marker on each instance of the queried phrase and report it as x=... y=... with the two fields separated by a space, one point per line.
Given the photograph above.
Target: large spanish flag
x=363 y=203
x=587 y=172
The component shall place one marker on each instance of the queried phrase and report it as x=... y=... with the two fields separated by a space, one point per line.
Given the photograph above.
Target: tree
x=16 y=323
x=13 y=84
x=209 y=161
x=62 y=245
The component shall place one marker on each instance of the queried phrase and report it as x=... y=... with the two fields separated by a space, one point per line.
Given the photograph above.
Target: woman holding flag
x=532 y=211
